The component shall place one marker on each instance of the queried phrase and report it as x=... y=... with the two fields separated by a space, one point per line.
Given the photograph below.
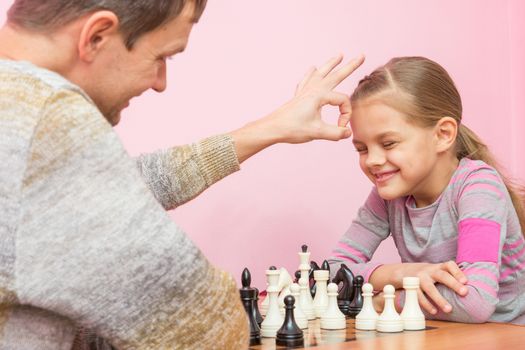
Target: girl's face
x=399 y=157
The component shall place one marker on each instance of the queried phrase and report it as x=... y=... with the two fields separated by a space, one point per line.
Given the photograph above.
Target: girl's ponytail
x=469 y=145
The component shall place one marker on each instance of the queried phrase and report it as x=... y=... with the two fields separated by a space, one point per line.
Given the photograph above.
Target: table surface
x=438 y=335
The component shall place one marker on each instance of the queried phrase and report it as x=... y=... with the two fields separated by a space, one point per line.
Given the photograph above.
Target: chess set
x=290 y=308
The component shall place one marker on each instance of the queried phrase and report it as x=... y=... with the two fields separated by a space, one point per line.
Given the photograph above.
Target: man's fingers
x=336 y=77
x=343 y=102
x=305 y=80
x=333 y=133
x=330 y=65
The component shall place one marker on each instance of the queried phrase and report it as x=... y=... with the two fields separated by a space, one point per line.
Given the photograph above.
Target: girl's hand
x=448 y=274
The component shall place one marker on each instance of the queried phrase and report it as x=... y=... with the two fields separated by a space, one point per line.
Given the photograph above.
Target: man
x=84 y=238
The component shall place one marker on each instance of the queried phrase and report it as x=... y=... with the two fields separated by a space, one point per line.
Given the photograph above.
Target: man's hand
x=300 y=120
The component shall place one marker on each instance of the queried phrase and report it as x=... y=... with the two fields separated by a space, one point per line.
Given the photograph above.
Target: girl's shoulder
x=471 y=170
x=476 y=175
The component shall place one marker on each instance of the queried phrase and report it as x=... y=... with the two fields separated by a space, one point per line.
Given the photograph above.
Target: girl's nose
x=375 y=158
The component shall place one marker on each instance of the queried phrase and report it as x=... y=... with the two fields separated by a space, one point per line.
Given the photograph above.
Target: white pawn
x=367 y=319
x=321 y=297
x=389 y=321
x=413 y=317
x=306 y=299
x=274 y=319
x=300 y=317
x=333 y=318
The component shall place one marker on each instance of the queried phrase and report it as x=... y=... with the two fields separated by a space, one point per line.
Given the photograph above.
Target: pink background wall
x=244 y=60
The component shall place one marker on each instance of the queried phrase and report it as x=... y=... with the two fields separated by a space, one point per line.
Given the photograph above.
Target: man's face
x=122 y=74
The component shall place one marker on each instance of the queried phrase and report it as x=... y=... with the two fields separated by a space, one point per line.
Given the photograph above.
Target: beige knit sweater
x=83 y=238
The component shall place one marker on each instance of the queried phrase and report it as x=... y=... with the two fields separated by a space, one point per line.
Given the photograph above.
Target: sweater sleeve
x=482 y=204
x=356 y=247
x=179 y=174
x=96 y=247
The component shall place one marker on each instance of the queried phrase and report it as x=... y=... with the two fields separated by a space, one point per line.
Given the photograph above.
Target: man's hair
x=137 y=17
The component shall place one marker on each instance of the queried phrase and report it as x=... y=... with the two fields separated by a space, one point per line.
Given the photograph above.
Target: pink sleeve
x=478 y=240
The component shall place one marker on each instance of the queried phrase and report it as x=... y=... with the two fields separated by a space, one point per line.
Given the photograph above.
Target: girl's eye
x=360 y=150
x=389 y=144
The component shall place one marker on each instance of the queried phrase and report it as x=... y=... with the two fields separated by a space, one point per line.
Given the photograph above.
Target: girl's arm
x=483 y=205
x=356 y=247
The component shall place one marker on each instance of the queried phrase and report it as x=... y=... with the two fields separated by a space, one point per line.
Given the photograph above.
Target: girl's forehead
x=373 y=119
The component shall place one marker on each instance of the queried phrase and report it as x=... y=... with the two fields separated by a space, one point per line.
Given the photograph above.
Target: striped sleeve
x=356 y=247
x=482 y=207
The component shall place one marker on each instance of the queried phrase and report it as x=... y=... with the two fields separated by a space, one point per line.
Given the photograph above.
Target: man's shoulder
x=25 y=76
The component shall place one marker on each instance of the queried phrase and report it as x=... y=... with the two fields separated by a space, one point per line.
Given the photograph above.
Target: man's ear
x=98 y=29
x=446 y=130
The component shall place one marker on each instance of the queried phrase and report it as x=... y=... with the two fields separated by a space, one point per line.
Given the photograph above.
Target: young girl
x=456 y=221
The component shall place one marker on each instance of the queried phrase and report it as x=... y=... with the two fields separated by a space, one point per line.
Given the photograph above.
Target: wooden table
x=438 y=336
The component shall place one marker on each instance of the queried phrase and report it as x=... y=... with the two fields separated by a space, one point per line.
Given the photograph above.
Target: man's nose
x=160 y=82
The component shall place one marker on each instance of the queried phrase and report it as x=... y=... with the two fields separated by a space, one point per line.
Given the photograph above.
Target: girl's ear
x=446 y=131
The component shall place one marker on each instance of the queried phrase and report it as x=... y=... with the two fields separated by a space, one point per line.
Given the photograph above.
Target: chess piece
x=321 y=296
x=357 y=303
x=266 y=300
x=333 y=318
x=413 y=317
x=248 y=295
x=304 y=267
x=305 y=299
x=345 y=296
x=256 y=313
x=285 y=280
x=366 y=319
x=289 y=335
x=389 y=321
x=311 y=278
x=325 y=266
x=299 y=315
x=273 y=319
x=297 y=275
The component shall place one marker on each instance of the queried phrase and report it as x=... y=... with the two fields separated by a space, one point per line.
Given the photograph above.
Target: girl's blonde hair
x=424 y=91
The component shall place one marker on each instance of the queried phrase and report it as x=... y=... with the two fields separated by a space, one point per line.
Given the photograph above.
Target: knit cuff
x=217 y=157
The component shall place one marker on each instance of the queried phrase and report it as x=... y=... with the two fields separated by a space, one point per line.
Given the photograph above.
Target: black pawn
x=257 y=313
x=297 y=275
x=248 y=296
x=357 y=303
x=289 y=335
